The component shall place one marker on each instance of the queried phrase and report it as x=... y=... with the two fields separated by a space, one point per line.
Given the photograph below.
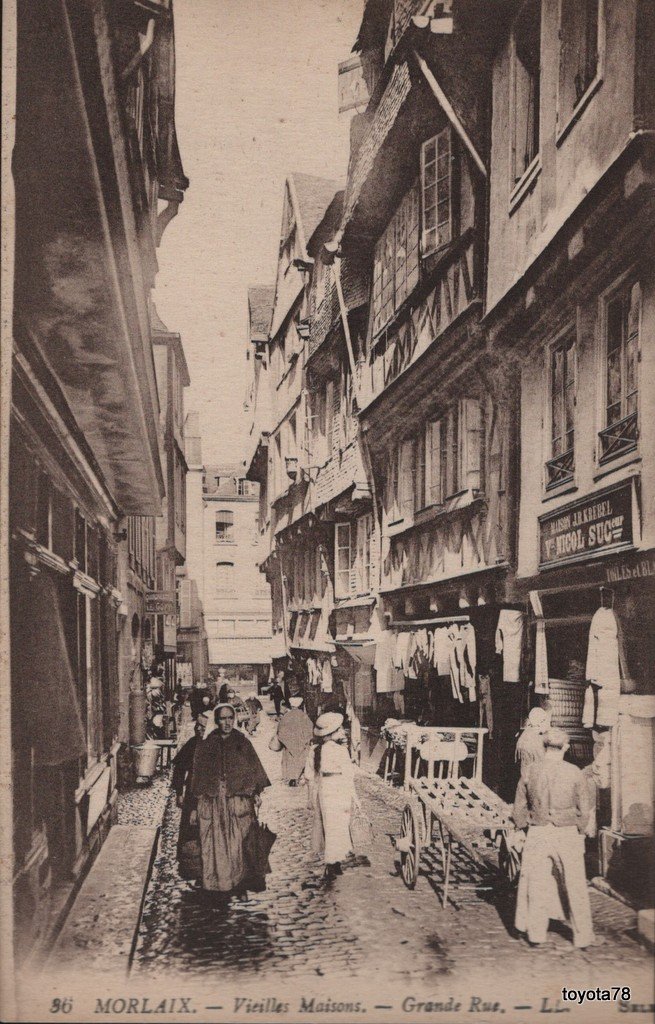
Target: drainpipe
x=145 y=42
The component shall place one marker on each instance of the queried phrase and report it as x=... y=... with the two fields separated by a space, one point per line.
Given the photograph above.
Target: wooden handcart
x=443 y=805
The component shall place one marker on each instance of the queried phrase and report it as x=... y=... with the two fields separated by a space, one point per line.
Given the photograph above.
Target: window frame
x=385 y=293
x=438 y=245
x=520 y=184
x=569 y=334
x=226 y=591
x=621 y=286
x=229 y=538
x=563 y=127
x=341 y=591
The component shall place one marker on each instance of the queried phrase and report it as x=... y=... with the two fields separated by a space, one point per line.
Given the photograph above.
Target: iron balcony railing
x=619 y=438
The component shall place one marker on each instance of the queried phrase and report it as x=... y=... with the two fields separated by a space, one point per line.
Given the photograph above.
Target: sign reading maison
x=601 y=522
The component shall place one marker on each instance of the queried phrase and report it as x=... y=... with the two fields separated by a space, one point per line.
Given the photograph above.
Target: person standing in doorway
x=552 y=801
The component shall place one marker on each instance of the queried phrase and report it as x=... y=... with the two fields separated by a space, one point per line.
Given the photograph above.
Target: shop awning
x=361 y=649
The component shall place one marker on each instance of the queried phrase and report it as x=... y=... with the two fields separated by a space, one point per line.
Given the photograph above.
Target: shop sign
x=170 y=633
x=595 y=525
x=161 y=602
x=634 y=571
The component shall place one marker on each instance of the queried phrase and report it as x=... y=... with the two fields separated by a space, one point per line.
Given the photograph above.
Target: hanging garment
x=399 y=701
x=469 y=664
x=403 y=640
x=486 y=708
x=541 y=680
x=441 y=647
x=326 y=677
x=456 y=657
x=604 y=666
x=384 y=669
x=409 y=657
x=509 y=637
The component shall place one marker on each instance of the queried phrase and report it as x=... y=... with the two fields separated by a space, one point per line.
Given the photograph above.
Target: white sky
x=256 y=98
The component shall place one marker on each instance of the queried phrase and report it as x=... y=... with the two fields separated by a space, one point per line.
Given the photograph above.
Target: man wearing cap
x=552 y=800
x=335 y=791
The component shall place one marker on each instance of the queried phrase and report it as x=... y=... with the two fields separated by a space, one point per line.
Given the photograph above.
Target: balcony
x=619 y=438
x=560 y=470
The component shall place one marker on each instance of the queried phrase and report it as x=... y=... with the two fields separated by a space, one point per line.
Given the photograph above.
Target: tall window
x=436 y=181
x=225 y=527
x=562 y=412
x=224 y=578
x=446 y=458
x=579 y=53
x=395 y=264
x=526 y=80
x=344 y=582
x=622 y=324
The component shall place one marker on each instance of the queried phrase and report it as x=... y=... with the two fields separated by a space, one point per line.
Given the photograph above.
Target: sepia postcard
x=327 y=511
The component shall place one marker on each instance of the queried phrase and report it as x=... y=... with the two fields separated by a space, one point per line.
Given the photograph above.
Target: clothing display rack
x=445 y=620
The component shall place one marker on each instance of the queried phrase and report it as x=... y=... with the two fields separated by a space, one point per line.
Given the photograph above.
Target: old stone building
x=456 y=477
x=95 y=153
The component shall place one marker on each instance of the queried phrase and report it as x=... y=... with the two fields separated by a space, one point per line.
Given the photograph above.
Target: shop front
x=592 y=657
x=454 y=654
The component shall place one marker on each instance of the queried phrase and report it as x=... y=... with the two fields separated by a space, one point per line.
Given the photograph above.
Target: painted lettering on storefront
x=585 y=528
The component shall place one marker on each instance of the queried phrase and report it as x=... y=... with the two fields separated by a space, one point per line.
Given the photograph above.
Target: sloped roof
x=260 y=310
x=314 y=195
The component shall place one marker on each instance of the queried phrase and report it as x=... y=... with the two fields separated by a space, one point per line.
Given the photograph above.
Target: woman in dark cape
x=227 y=780
x=182 y=783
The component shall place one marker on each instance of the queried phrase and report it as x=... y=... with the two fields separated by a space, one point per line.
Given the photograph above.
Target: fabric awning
x=361 y=650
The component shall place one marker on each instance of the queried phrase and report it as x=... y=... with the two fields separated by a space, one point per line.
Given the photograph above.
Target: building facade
x=95 y=152
x=570 y=290
x=455 y=470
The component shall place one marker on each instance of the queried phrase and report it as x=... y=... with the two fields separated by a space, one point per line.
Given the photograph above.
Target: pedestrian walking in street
x=530 y=746
x=201 y=698
x=333 y=790
x=276 y=692
x=552 y=801
x=294 y=735
x=228 y=778
x=188 y=841
x=228 y=695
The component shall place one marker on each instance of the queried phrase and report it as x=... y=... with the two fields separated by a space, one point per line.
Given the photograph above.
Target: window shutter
x=471 y=437
x=407 y=470
x=433 y=466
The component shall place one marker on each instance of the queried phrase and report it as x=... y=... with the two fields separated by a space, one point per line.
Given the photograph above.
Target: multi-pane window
x=443 y=460
x=395 y=264
x=621 y=372
x=563 y=397
x=224 y=578
x=580 y=23
x=225 y=527
x=344 y=559
x=353 y=556
x=436 y=184
x=244 y=487
x=562 y=412
x=526 y=83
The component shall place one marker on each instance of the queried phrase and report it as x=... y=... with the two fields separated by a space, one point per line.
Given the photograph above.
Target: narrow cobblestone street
x=365 y=924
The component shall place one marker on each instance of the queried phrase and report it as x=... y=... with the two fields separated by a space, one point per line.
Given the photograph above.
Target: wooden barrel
x=566 y=703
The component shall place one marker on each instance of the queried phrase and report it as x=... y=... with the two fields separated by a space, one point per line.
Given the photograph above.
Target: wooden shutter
x=471 y=440
x=433 y=467
x=407 y=470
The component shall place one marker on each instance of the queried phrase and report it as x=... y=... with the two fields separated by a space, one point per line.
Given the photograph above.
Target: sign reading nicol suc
x=593 y=525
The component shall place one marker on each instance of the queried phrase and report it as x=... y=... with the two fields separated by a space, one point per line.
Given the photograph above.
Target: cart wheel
x=410 y=829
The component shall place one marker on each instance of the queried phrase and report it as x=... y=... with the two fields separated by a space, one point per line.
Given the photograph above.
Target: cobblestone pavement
x=366 y=923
